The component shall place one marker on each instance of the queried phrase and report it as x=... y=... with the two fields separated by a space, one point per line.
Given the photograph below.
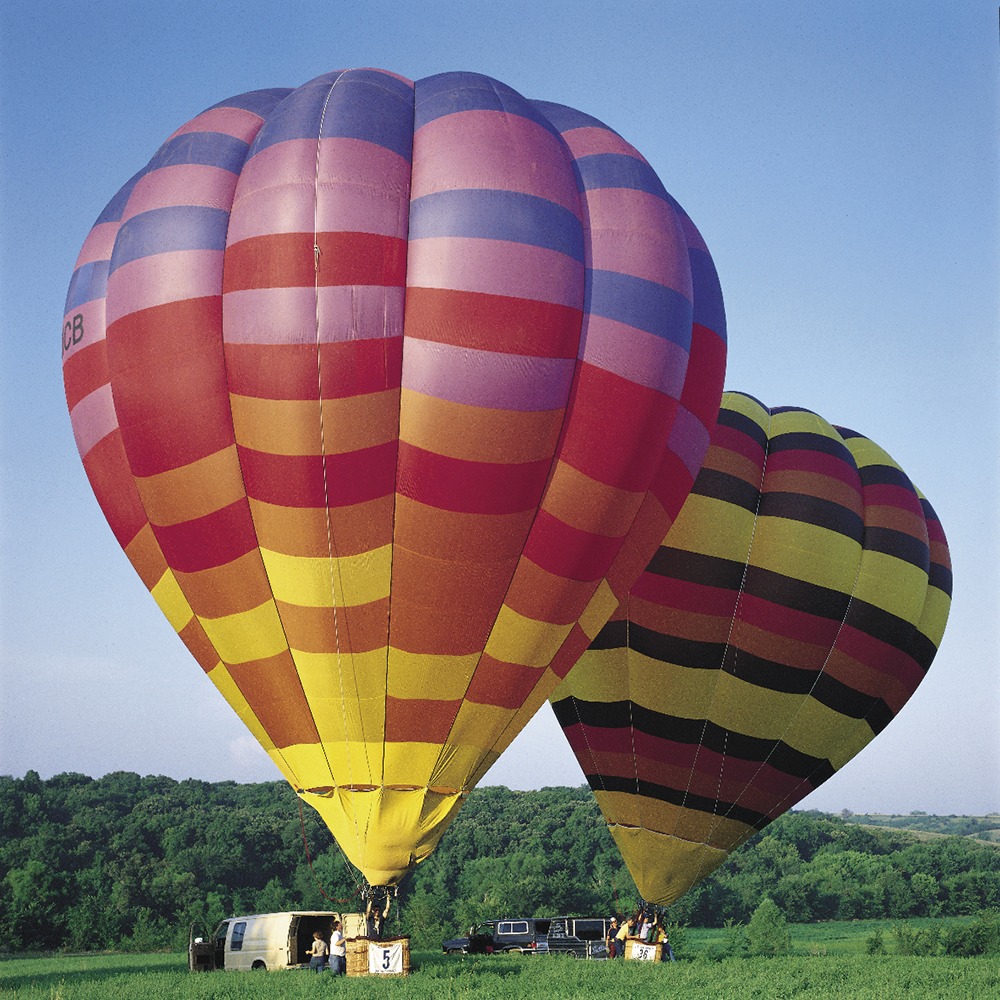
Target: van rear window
x=236 y=941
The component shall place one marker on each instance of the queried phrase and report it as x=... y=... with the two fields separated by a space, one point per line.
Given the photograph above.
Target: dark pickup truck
x=578 y=937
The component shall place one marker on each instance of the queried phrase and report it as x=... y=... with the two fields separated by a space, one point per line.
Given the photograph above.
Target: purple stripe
x=168 y=277
x=483 y=378
x=689 y=440
x=168 y=230
x=363 y=189
x=640 y=357
x=498 y=215
x=288 y=315
x=497 y=268
x=450 y=93
x=93 y=418
x=353 y=104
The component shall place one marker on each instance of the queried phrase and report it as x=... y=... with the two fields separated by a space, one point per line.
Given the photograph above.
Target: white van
x=269 y=940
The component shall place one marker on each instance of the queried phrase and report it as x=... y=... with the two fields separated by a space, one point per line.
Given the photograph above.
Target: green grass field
x=829 y=963
x=164 y=977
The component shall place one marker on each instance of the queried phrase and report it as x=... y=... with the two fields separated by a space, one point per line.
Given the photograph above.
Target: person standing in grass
x=338 y=951
x=318 y=953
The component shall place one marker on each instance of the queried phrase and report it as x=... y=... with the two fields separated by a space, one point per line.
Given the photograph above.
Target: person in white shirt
x=338 y=953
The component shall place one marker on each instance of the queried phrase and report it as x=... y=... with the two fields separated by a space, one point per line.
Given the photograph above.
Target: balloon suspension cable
x=358 y=887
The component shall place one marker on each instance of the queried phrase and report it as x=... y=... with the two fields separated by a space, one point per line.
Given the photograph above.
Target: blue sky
x=840 y=158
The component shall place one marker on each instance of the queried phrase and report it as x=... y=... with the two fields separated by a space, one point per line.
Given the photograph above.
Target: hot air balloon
x=792 y=609
x=389 y=391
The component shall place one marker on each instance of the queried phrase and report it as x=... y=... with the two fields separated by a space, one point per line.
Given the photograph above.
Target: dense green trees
x=129 y=861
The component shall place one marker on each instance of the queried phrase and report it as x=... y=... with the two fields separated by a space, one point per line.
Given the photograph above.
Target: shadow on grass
x=78 y=969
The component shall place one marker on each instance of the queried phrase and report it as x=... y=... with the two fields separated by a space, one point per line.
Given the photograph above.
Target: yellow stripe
x=892 y=584
x=306 y=580
x=738 y=403
x=935 y=615
x=806 y=552
x=194 y=490
x=598 y=610
x=249 y=635
x=712 y=527
x=517 y=639
x=599 y=675
x=168 y=595
x=430 y=676
x=293 y=426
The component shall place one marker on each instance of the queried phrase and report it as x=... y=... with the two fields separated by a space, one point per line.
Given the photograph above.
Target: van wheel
x=258 y=967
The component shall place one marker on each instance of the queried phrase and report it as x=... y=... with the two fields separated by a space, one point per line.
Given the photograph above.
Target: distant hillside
x=985 y=829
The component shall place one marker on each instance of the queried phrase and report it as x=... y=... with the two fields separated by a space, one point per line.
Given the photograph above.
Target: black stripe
x=940 y=577
x=885 y=475
x=695 y=567
x=727 y=488
x=810 y=441
x=881 y=625
x=813 y=510
x=922 y=650
x=899 y=544
x=796 y=595
x=740 y=422
x=845 y=700
x=678 y=797
x=625 y=715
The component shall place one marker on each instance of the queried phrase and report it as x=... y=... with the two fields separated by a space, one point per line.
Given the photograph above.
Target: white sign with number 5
x=385 y=959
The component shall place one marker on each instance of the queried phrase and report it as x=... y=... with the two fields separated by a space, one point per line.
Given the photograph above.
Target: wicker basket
x=368 y=957
x=640 y=951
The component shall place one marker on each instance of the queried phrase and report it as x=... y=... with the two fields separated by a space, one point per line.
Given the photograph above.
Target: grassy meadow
x=829 y=961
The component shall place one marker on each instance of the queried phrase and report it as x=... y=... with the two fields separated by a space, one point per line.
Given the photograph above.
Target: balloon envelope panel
x=388 y=391
x=792 y=609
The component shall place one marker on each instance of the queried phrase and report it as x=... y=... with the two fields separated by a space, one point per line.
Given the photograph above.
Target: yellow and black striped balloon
x=793 y=608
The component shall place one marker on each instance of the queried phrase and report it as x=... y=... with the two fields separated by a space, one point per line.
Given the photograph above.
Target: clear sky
x=840 y=158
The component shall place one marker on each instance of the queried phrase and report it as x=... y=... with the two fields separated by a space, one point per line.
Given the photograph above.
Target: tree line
x=130 y=862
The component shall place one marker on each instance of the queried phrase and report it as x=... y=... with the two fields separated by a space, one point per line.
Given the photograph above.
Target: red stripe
x=109 y=475
x=462 y=486
x=682 y=595
x=169 y=382
x=85 y=371
x=419 y=721
x=815 y=462
x=274 y=693
x=569 y=552
x=288 y=260
x=213 y=540
x=886 y=495
x=726 y=438
x=573 y=647
x=617 y=430
x=493 y=322
x=299 y=481
x=781 y=622
x=702 y=392
x=504 y=684
x=291 y=371
x=671 y=486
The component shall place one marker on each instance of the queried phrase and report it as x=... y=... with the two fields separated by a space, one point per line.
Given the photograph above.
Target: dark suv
x=580 y=937
x=522 y=934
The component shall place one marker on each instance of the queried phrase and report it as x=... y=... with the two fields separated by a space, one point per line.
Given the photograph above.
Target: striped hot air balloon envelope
x=792 y=609
x=389 y=391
